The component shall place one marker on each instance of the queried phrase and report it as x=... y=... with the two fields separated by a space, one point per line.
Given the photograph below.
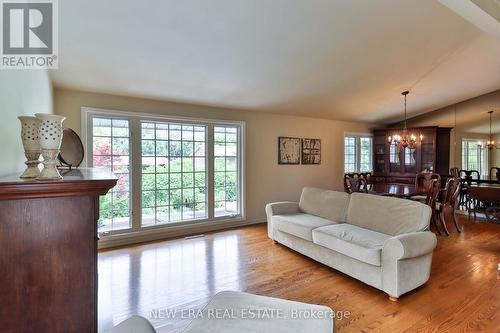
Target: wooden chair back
x=354 y=182
x=424 y=180
x=452 y=190
x=433 y=193
x=454 y=172
x=469 y=176
x=475 y=175
x=495 y=173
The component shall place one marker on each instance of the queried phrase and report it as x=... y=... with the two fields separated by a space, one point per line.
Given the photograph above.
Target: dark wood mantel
x=76 y=182
x=48 y=252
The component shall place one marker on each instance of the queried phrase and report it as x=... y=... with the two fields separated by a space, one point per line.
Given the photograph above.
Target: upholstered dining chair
x=449 y=203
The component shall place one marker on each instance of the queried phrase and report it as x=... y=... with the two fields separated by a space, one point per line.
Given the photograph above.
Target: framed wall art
x=311 y=151
x=288 y=150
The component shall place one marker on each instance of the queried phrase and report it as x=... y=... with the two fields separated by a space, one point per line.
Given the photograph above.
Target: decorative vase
x=29 y=136
x=50 y=136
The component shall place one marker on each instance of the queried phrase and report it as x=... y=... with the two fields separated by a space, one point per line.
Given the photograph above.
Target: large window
x=170 y=170
x=474 y=158
x=357 y=153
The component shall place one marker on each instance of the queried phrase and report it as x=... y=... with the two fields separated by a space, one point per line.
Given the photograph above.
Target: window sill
x=167 y=231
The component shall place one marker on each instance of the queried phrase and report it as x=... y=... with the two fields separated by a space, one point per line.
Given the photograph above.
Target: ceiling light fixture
x=490 y=144
x=405 y=139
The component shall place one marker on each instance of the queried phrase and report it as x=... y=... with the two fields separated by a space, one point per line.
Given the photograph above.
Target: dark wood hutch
x=48 y=260
x=393 y=166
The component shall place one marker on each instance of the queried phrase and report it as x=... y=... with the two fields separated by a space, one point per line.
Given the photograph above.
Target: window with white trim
x=171 y=171
x=226 y=169
x=474 y=158
x=357 y=153
x=111 y=150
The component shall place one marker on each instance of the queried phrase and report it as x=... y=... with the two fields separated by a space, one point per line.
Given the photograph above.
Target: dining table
x=397 y=190
x=487 y=180
x=487 y=193
x=489 y=196
x=482 y=180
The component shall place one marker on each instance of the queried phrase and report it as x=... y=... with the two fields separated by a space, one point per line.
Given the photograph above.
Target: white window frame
x=136 y=164
x=483 y=156
x=357 y=144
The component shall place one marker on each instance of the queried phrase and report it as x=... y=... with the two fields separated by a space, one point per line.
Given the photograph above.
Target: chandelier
x=490 y=144
x=405 y=139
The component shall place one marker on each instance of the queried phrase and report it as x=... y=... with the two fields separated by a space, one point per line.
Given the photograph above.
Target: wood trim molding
x=78 y=182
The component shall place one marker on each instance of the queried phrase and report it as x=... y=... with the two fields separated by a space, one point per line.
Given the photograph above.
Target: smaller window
x=357 y=153
x=474 y=158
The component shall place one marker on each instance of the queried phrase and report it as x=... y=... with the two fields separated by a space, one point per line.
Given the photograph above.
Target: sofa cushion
x=391 y=216
x=300 y=225
x=358 y=243
x=331 y=205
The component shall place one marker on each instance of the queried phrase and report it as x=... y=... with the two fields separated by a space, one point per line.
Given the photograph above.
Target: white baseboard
x=167 y=232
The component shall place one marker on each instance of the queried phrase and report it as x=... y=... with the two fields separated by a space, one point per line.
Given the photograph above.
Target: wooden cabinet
x=393 y=165
x=48 y=257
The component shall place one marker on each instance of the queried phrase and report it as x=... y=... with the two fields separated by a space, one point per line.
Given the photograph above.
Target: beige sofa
x=381 y=241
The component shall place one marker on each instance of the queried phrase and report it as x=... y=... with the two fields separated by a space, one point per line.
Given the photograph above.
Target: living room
x=303 y=166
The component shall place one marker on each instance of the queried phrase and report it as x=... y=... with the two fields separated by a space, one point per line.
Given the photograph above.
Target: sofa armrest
x=278 y=208
x=410 y=245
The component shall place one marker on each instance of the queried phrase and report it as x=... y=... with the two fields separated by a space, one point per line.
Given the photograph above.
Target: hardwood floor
x=462 y=295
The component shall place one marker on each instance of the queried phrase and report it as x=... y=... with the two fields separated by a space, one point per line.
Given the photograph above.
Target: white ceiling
x=337 y=59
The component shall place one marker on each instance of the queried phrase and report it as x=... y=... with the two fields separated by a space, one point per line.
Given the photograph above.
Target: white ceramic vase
x=50 y=135
x=29 y=136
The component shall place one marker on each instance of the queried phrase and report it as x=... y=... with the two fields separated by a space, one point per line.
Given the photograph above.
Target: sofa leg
x=393 y=298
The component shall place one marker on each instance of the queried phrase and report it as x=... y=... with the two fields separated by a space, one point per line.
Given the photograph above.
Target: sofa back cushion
x=391 y=216
x=331 y=205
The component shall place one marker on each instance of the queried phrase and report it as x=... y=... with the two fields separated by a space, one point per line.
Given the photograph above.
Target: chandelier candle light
x=490 y=144
x=405 y=139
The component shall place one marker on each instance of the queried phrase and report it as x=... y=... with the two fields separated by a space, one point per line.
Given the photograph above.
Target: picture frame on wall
x=311 y=151
x=289 y=150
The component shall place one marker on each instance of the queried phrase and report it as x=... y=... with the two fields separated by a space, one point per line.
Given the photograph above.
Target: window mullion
x=358 y=154
x=136 y=171
x=210 y=171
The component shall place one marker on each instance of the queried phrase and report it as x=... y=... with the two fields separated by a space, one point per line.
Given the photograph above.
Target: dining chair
x=423 y=180
x=367 y=176
x=449 y=203
x=431 y=199
x=423 y=183
x=454 y=172
x=467 y=177
x=354 y=183
x=494 y=173
x=475 y=176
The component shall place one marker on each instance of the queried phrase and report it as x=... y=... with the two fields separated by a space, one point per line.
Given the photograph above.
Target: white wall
x=22 y=92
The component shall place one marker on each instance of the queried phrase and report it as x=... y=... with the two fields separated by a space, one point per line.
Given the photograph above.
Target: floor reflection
x=163 y=276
